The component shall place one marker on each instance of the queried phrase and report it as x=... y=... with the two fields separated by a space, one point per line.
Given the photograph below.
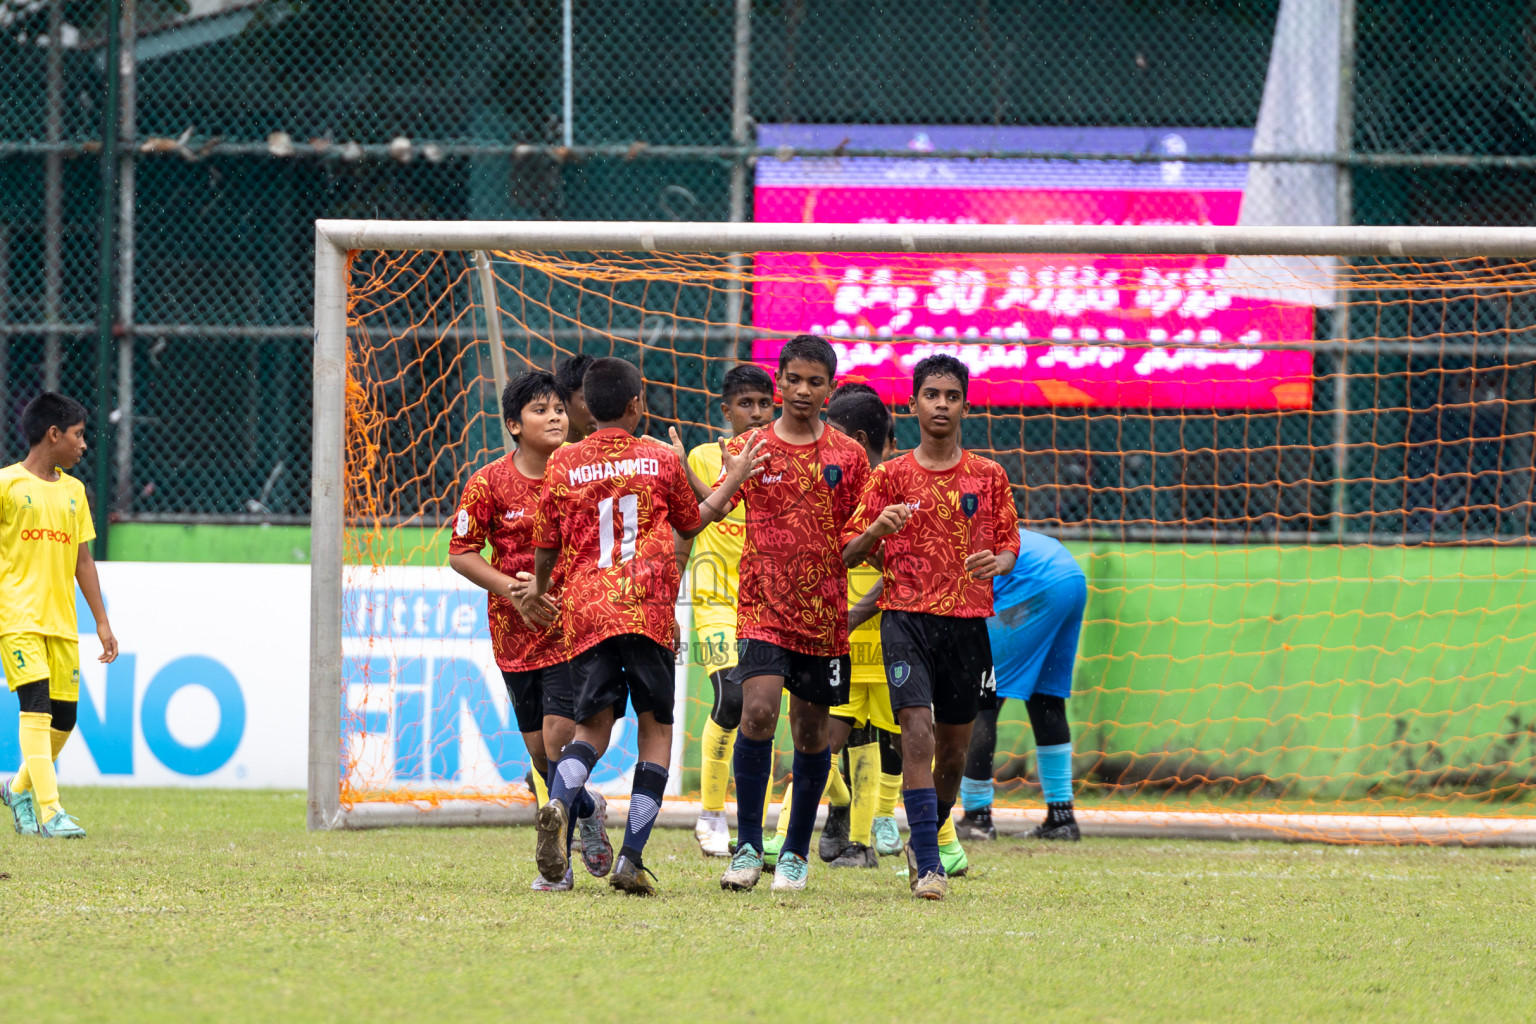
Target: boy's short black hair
x=811 y=348
x=942 y=366
x=856 y=411
x=608 y=387
x=49 y=409
x=570 y=371
x=526 y=388
x=745 y=377
x=853 y=387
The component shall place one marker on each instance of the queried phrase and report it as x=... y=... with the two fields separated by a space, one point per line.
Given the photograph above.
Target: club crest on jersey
x=900 y=673
x=969 y=503
x=833 y=475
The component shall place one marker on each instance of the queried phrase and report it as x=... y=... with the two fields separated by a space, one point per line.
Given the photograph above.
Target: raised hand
x=676 y=444
x=982 y=565
x=751 y=460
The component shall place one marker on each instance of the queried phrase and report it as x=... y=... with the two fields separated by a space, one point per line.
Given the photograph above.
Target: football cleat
x=713 y=833
x=630 y=876
x=551 y=853
x=746 y=868
x=932 y=886
x=790 y=873
x=771 y=847
x=1065 y=832
x=887 y=837
x=857 y=855
x=540 y=884
x=23 y=808
x=61 y=826
x=834 y=836
x=953 y=857
x=596 y=850
x=976 y=825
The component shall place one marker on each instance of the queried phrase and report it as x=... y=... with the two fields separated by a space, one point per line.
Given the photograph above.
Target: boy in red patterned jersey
x=943 y=523
x=607 y=513
x=792 y=608
x=498 y=508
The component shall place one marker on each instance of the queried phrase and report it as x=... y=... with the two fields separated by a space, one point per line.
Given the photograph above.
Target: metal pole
x=1344 y=141
x=326 y=534
x=106 y=258
x=127 y=167
x=741 y=135
x=53 y=199
x=492 y=310
x=567 y=84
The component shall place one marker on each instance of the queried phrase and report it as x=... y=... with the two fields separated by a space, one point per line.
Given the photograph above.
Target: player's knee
x=33 y=698
x=727 y=710
x=64 y=713
x=758 y=719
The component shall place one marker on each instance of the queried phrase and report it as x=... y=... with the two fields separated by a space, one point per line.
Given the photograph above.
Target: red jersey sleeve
x=1005 y=528
x=546 y=525
x=871 y=503
x=475 y=518
x=682 y=503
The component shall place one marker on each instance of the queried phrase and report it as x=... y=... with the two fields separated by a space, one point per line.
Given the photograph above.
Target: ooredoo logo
x=53 y=535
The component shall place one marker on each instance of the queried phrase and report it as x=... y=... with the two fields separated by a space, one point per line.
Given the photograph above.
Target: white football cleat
x=713 y=833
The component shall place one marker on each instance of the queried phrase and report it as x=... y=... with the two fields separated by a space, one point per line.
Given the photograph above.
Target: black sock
x=1059 y=814
x=945 y=809
x=644 y=805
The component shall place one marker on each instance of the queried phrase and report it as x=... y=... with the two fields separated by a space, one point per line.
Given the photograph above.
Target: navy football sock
x=810 y=778
x=923 y=820
x=753 y=765
x=644 y=805
x=569 y=775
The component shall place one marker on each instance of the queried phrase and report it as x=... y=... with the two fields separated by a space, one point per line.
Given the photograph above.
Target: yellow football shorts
x=32 y=657
x=869 y=703
x=715 y=644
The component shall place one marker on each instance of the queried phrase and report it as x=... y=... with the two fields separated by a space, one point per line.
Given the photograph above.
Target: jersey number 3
x=629 y=511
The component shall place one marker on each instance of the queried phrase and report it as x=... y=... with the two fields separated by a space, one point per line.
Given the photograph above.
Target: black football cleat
x=834 y=837
x=976 y=825
x=1065 y=832
x=632 y=877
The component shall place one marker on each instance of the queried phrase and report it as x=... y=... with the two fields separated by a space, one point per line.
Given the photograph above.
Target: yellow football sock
x=540 y=789
x=890 y=792
x=37 y=761
x=718 y=745
x=56 y=741
x=947 y=832
x=864 y=766
x=837 y=787
x=783 y=828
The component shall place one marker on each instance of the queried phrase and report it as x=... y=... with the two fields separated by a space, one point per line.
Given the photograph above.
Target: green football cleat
x=771 y=847
x=23 y=808
x=61 y=826
x=887 y=837
x=953 y=857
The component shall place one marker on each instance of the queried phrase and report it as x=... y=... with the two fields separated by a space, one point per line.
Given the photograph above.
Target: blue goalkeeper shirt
x=1042 y=560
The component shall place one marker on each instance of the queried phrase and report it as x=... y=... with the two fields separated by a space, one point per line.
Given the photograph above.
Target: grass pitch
x=218 y=906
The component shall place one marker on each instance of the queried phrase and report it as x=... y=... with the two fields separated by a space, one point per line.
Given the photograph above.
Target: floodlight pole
x=326 y=537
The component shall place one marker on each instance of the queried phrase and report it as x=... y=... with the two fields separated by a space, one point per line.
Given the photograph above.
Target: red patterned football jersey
x=794 y=586
x=610 y=503
x=955 y=513
x=499 y=505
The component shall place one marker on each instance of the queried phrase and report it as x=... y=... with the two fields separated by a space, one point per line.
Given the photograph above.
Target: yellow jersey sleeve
x=716 y=561
x=42 y=525
x=864 y=642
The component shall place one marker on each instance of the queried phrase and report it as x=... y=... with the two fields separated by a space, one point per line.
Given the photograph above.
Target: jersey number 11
x=629 y=510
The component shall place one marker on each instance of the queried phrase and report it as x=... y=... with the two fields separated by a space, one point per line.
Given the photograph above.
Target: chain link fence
x=243 y=121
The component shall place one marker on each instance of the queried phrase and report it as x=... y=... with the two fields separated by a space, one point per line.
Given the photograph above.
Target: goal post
x=1302 y=490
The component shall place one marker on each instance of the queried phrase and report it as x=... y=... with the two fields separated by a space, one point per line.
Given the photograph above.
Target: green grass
x=219 y=906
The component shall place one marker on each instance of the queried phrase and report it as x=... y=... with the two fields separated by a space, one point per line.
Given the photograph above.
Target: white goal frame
x=334 y=239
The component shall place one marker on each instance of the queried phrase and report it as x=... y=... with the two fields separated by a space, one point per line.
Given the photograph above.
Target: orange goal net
x=1300 y=489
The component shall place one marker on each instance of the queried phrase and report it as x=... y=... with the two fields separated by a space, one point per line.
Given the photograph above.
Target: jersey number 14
x=629 y=511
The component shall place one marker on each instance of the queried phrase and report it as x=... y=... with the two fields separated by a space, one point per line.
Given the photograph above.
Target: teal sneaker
x=953 y=857
x=746 y=868
x=23 y=808
x=771 y=847
x=887 y=837
x=61 y=826
x=790 y=873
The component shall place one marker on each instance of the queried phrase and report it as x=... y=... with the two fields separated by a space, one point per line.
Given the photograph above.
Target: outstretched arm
x=736 y=469
x=90 y=586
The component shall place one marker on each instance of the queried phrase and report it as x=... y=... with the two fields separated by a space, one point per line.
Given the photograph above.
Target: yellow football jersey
x=716 y=561
x=864 y=642
x=42 y=526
